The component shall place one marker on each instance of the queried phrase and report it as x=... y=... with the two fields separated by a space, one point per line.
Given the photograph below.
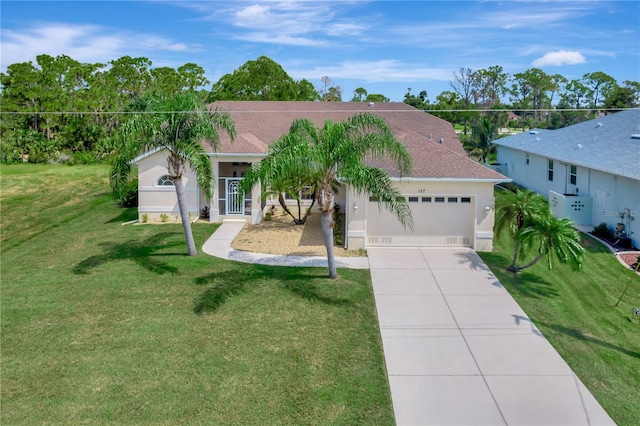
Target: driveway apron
x=460 y=351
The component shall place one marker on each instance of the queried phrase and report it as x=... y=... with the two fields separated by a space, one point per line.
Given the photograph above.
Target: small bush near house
x=129 y=196
x=603 y=231
x=206 y=212
x=512 y=186
x=337 y=226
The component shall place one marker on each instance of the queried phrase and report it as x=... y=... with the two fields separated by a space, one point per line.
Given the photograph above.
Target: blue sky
x=383 y=46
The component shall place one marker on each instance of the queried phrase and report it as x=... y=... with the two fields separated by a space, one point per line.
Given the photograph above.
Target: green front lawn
x=575 y=312
x=105 y=323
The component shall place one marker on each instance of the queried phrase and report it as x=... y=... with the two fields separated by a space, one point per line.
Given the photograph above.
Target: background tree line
x=535 y=98
x=61 y=109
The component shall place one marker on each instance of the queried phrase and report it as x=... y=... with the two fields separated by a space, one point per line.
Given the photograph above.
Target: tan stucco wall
x=480 y=192
x=154 y=200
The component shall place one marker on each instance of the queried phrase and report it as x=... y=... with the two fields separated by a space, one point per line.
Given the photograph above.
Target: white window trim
x=158 y=184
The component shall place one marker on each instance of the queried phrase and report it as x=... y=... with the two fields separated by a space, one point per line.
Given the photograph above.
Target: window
x=573 y=175
x=465 y=199
x=165 y=181
x=550 y=172
x=305 y=194
x=426 y=199
x=439 y=199
x=401 y=199
x=413 y=199
x=452 y=200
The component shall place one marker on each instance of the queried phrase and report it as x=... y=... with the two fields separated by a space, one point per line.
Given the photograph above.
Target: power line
x=316 y=111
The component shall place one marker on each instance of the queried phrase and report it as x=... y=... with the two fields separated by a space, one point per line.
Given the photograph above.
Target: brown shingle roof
x=259 y=123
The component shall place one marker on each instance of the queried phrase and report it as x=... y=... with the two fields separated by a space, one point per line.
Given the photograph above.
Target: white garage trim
x=159 y=209
x=455 y=180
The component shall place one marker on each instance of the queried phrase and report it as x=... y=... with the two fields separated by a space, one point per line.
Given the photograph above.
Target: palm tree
x=484 y=132
x=528 y=219
x=177 y=124
x=514 y=210
x=294 y=188
x=336 y=152
x=550 y=236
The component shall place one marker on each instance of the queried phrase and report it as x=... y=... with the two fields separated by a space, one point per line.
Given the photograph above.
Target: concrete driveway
x=460 y=351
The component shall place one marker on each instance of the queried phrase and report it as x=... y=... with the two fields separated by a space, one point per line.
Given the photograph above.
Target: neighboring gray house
x=589 y=171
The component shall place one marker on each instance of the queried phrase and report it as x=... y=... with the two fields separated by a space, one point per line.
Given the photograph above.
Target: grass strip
x=575 y=311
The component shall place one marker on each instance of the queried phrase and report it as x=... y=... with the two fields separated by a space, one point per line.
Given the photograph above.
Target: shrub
x=206 y=212
x=26 y=146
x=128 y=196
x=603 y=231
x=337 y=226
x=271 y=211
x=84 y=157
x=512 y=186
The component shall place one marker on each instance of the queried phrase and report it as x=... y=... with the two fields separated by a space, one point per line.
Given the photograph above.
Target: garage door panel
x=446 y=223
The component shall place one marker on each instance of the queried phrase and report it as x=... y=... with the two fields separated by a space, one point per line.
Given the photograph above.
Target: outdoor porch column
x=256 y=204
x=214 y=203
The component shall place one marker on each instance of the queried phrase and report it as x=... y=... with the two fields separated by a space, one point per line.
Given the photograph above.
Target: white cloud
x=254 y=13
x=288 y=22
x=388 y=70
x=560 y=57
x=283 y=17
x=261 y=37
x=342 y=29
x=84 y=43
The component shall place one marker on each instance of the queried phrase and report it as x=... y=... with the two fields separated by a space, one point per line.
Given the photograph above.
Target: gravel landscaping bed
x=281 y=236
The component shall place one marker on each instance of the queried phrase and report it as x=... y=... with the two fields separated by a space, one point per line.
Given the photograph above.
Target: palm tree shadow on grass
x=142 y=253
x=525 y=283
x=126 y=215
x=577 y=334
x=528 y=284
x=226 y=284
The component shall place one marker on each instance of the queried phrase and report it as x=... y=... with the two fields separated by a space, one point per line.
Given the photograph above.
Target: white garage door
x=438 y=220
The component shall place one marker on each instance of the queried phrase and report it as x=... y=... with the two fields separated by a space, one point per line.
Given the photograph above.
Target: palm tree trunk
x=512 y=267
x=283 y=204
x=326 y=220
x=184 y=215
x=515 y=269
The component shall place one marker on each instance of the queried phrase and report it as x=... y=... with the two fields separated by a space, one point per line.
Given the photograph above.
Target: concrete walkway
x=458 y=348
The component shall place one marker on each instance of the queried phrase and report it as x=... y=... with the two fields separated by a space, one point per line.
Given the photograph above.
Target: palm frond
x=376 y=182
x=179 y=124
x=552 y=238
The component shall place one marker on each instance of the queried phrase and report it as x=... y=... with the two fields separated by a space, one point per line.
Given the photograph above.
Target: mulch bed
x=629 y=258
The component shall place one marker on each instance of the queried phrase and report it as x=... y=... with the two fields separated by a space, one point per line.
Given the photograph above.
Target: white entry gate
x=234 y=199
